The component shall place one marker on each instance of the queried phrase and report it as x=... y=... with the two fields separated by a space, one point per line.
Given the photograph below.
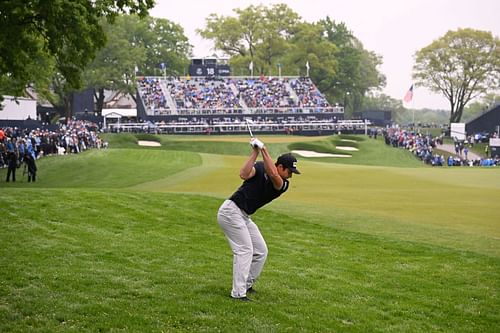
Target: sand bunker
x=308 y=153
x=149 y=143
x=348 y=140
x=346 y=148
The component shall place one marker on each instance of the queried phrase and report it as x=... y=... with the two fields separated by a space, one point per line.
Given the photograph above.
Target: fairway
x=126 y=239
x=460 y=203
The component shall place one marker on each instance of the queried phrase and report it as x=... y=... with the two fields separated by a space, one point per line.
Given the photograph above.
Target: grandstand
x=205 y=104
x=208 y=101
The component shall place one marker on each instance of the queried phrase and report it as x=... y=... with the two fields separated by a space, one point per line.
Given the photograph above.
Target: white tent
x=17 y=108
x=118 y=114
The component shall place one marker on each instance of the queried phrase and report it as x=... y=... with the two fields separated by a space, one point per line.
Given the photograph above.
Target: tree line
x=60 y=47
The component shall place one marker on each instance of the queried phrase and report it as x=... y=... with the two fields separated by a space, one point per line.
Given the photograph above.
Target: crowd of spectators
x=265 y=92
x=152 y=94
x=424 y=146
x=307 y=93
x=202 y=93
x=231 y=95
x=18 y=145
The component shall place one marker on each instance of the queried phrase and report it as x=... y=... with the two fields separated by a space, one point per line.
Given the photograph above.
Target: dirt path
x=451 y=149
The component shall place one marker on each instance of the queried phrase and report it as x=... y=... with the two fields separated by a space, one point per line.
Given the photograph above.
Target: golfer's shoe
x=251 y=291
x=243 y=299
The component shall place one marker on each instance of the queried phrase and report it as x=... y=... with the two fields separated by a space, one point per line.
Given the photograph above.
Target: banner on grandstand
x=209 y=70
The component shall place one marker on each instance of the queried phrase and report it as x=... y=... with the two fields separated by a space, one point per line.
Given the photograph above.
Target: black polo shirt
x=257 y=191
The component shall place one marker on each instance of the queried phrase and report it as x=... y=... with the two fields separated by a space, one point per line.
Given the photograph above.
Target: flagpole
x=413 y=111
x=408 y=98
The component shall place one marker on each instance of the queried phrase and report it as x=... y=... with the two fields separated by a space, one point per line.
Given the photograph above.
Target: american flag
x=409 y=95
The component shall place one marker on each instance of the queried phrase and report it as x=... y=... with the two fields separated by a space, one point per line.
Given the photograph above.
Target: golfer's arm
x=271 y=170
x=247 y=171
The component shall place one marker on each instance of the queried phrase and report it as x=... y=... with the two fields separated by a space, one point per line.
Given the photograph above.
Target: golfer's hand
x=256 y=143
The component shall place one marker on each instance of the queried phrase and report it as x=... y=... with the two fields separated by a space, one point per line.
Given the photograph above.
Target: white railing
x=239 y=127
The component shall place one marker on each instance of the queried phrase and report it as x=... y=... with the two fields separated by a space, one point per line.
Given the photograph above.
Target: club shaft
x=249 y=130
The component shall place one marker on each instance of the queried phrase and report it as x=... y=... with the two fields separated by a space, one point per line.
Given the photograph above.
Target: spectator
x=12 y=165
x=31 y=166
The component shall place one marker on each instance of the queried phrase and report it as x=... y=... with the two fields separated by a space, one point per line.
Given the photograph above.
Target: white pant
x=247 y=243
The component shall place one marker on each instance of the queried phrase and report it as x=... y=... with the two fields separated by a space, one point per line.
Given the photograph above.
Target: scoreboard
x=209 y=67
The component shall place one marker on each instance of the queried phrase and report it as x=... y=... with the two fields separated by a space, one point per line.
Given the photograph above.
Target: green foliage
x=67 y=32
x=461 y=65
x=309 y=45
x=113 y=68
x=357 y=68
x=382 y=102
x=163 y=42
x=275 y=40
x=136 y=43
x=258 y=33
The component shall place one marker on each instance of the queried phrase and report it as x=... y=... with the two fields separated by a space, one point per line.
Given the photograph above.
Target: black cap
x=288 y=161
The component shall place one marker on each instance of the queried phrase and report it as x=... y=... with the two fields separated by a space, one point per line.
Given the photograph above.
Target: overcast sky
x=394 y=29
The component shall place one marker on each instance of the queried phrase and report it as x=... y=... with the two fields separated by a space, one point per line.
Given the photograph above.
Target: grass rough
x=126 y=239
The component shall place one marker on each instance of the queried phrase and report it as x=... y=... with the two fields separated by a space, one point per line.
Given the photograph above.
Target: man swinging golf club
x=263 y=182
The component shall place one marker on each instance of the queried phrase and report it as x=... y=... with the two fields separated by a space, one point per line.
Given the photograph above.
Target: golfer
x=263 y=182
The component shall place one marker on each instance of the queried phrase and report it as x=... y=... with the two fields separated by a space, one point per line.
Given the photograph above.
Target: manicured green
x=370 y=151
x=126 y=239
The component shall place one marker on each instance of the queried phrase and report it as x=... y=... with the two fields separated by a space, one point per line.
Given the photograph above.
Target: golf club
x=257 y=143
x=249 y=121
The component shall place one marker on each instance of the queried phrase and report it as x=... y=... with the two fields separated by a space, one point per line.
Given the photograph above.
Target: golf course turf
x=126 y=239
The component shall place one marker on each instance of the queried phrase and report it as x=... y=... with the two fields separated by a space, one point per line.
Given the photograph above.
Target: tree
x=277 y=26
x=275 y=40
x=310 y=46
x=113 y=68
x=164 y=42
x=357 y=68
x=135 y=43
x=462 y=65
x=233 y=35
x=258 y=34
x=382 y=102
x=68 y=31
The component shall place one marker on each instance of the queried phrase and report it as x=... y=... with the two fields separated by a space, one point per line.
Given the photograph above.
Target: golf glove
x=256 y=143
